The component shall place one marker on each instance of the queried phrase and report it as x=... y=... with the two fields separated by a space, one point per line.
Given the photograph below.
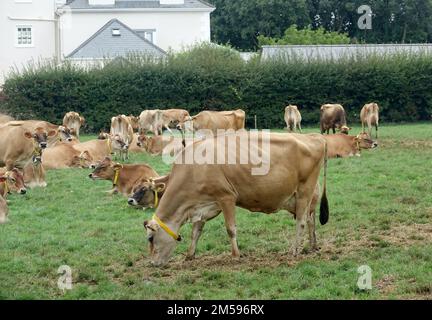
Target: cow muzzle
x=43 y=145
x=23 y=191
x=132 y=202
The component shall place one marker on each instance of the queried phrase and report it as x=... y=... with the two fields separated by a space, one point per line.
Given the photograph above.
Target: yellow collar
x=156 y=196
x=116 y=177
x=109 y=145
x=174 y=235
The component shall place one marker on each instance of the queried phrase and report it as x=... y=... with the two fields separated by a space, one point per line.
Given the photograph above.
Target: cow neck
x=37 y=150
x=116 y=176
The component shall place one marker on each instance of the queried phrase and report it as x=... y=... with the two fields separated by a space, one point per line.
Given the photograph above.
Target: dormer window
x=116 y=32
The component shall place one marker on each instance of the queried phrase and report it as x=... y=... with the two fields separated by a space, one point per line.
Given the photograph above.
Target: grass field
x=380 y=216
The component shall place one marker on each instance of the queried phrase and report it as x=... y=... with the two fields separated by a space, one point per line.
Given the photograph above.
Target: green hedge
x=207 y=77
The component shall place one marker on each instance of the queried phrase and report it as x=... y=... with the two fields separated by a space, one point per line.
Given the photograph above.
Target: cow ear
x=117 y=166
x=28 y=134
x=3 y=179
x=52 y=133
x=160 y=187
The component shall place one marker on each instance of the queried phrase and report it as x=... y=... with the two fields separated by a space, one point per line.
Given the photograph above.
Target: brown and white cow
x=121 y=126
x=74 y=121
x=333 y=116
x=344 y=146
x=199 y=193
x=13 y=182
x=64 y=156
x=100 y=149
x=369 y=116
x=293 y=118
x=18 y=145
x=4 y=209
x=123 y=177
x=214 y=121
x=149 y=121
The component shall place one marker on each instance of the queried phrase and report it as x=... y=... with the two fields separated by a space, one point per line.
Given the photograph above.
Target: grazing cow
x=4 y=209
x=18 y=146
x=343 y=146
x=333 y=116
x=156 y=145
x=100 y=149
x=171 y=118
x=214 y=121
x=4 y=118
x=293 y=118
x=123 y=177
x=13 y=182
x=74 y=121
x=200 y=192
x=369 y=116
x=121 y=126
x=34 y=173
x=64 y=156
x=147 y=193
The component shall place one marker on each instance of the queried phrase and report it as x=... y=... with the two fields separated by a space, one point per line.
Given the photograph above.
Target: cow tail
x=324 y=206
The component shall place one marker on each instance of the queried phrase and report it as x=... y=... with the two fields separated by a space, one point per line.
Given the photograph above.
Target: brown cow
x=200 y=192
x=64 y=156
x=214 y=121
x=4 y=209
x=369 y=116
x=100 y=149
x=74 y=121
x=333 y=116
x=122 y=127
x=149 y=121
x=18 y=145
x=343 y=146
x=13 y=182
x=293 y=118
x=124 y=177
x=156 y=145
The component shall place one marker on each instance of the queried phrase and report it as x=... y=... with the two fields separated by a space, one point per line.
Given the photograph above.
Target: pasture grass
x=380 y=216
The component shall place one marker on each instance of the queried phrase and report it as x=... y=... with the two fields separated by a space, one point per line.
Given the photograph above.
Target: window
x=24 y=36
x=116 y=32
x=148 y=34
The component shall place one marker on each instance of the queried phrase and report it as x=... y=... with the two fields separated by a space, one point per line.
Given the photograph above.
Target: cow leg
x=376 y=127
x=311 y=228
x=196 y=234
x=300 y=128
x=334 y=130
x=228 y=209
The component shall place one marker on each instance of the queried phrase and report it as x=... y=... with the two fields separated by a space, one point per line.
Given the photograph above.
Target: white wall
x=43 y=32
x=173 y=29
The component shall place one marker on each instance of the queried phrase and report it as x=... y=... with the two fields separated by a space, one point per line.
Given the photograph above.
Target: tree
x=306 y=36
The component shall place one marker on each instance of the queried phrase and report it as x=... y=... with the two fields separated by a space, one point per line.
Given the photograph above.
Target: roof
x=140 y=4
x=104 y=45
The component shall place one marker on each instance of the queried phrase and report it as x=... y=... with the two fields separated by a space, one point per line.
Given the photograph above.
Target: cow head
x=82 y=120
x=104 y=170
x=364 y=141
x=161 y=244
x=345 y=129
x=144 y=193
x=134 y=121
x=14 y=181
x=117 y=143
x=143 y=141
x=84 y=160
x=40 y=136
x=4 y=210
x=103 y=136
x=65 y=134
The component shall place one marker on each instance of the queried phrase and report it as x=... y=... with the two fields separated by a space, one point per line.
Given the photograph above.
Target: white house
x=82 y=30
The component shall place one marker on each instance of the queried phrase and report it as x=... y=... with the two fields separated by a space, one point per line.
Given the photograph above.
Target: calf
x=123 y=177
x=74 y=121
x=343 y=146
x=18 y=146
x=148 y=192
x=293 y=118
x=369 y=116
x=333 y=116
